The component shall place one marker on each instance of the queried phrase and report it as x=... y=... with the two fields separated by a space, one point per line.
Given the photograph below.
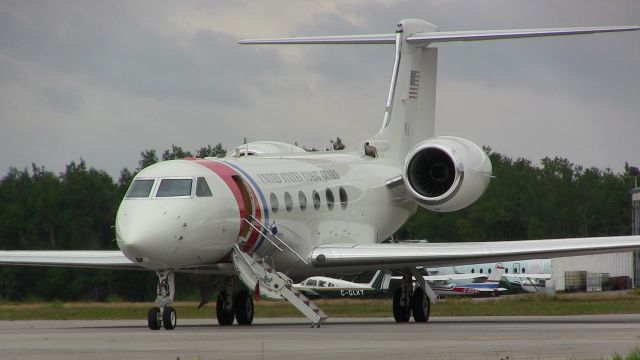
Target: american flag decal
x=414 y=84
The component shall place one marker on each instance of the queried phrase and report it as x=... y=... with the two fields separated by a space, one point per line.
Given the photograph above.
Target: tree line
x=75 y=209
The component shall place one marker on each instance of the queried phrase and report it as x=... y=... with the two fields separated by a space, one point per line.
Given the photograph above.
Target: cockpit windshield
x=140 y=188
x=174 y=187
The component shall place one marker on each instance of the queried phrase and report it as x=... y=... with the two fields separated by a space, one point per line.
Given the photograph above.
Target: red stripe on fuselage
x=225 y=173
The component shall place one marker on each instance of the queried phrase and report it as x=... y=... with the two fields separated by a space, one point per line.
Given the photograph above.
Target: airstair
x=257 y=274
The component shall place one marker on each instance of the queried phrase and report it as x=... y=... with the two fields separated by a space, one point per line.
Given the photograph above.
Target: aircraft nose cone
x=135 y=242
x=145 y=233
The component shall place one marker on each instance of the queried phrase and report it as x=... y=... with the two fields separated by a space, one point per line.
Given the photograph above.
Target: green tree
x=209 y=151
x=176 y=152
x=148 y=157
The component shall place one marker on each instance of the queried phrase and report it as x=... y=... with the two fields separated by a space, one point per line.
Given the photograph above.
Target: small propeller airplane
x=328 y=287
x=272 y=211
x=442 y=285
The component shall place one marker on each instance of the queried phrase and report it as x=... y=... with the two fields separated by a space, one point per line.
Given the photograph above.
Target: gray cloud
x=105 y=45
x=64 y=99
x=126 y=76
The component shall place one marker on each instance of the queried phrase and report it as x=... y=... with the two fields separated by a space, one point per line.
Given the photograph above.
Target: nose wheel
x=163 y=315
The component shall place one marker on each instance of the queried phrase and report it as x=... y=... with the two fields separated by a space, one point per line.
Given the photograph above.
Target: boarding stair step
x=254 y=271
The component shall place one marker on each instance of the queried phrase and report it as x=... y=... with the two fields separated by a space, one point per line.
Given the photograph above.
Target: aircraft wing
x=69 y=258
x=529 y=276
x=455 y=277
x=450 y=254
x=490 y=290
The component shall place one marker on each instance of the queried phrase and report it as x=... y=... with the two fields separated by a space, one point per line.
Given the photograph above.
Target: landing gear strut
x=163 y=315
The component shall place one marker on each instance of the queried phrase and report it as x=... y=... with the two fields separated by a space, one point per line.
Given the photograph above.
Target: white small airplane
x=327 y=287
x=319 y=213
x=530 y=275
x=442 y=285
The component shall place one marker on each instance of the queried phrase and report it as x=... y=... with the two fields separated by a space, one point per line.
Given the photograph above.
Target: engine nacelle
x=446 y=173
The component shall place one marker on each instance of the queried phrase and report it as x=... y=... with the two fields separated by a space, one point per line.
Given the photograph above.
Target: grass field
x=565 y=304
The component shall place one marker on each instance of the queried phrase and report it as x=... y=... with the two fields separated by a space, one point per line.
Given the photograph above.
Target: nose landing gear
x=163 y=315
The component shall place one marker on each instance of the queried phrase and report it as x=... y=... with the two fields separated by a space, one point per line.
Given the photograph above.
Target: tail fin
x=410 y=110
x=497 y=273
x=380 y=280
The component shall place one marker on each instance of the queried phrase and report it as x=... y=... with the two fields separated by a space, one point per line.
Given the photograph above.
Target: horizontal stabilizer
x=442 y=36
x=348 y=39
x=445 y=36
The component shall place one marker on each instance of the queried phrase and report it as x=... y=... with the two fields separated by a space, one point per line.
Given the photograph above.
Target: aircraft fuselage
x=305 y=199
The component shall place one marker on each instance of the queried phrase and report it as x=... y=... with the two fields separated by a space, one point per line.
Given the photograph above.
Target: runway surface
x=553 y=337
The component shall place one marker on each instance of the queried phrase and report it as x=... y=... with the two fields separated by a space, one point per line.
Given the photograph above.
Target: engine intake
x=446 y=173
x=432 y=172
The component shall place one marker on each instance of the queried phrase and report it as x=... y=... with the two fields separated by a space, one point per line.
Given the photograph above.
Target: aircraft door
x=248 y=207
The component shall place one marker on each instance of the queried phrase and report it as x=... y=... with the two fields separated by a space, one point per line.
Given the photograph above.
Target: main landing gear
x=238 y=307
x=408 y=301
x=163 y=315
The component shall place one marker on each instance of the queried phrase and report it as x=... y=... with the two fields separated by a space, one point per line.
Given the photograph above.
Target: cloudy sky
x=104 y=80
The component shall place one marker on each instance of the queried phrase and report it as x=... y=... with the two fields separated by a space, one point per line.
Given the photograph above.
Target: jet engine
x=446 y=173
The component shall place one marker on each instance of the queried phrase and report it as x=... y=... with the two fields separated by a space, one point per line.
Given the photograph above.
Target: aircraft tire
x=402 y=314
x=225 y=318
x=153 y=318
x=420 y=306
x=169 y=318
x=243 y=307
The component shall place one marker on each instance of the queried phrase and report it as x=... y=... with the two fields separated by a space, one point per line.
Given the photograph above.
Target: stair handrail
x=241 y=254
x=280 y=240
x=266 y=236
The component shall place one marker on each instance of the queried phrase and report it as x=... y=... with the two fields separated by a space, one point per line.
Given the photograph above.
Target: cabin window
x=302 y=199
x=506 y=271
x=330 y=199
x=523 y=270
x=202 y=188
x=489 y=271
x=481 y=271
x=274 y=202
x=140 y=188
x=322 y=283
x=174 y=187
x=473 y=271
x=316 y=200
x=311 y=282
x=288 y=202
x=344 y=200
x=332 y=285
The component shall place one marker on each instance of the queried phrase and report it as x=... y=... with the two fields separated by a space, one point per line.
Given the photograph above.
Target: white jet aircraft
x=305 y=214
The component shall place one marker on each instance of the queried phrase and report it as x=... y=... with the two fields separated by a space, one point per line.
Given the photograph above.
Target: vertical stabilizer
x=410 y=112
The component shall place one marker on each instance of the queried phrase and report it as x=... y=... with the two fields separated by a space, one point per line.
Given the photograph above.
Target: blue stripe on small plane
x=265 y=208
